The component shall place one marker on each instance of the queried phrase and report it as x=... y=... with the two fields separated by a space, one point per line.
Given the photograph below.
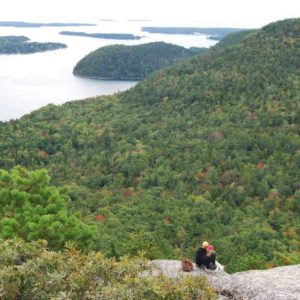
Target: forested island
x=122 y=62
x=112 y=36
x=207 y=149
x=212 y=33
x=20 y=45
x=28 y=24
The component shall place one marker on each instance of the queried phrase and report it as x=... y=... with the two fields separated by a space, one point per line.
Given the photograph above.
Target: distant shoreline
x=212 y=33
x=112 y=36
x=107 y=20
x=138 y=20
x=29 y=24
x=11 y=45
x=107 y=79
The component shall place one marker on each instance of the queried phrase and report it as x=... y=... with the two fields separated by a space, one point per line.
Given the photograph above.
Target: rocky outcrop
x=282 y=283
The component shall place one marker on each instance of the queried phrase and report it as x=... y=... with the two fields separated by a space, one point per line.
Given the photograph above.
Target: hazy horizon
x=215 y=13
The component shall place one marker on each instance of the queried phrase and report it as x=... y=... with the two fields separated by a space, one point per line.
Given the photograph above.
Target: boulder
x=282 y=283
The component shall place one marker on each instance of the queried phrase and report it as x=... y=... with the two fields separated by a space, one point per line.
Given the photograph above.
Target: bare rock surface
x=282 y=283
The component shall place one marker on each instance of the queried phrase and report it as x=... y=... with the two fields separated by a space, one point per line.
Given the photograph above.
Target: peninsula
x=20 y=45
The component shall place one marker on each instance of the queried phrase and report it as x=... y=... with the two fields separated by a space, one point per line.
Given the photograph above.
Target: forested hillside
x=206 y=149
x=234 y=38
x=132 y=62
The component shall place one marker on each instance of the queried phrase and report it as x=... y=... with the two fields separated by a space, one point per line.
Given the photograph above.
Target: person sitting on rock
x=209 y=259
x=201 y=254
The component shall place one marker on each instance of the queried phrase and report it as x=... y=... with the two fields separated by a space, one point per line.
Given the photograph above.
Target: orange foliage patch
x=221 y=185
x=100 y=218
x=252 y=117
x=273 y=213
x=42 y=154
x=273 y=195
x=128 y=192
x=291 y=233
x=260 y=165
x=200 y=176
x=270 y=265
x=287 y=260
x=167 y=220
x=206 y=187
x=216 y=135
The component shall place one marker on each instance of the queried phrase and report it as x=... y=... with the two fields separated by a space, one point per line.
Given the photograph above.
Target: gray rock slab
x=282 y=283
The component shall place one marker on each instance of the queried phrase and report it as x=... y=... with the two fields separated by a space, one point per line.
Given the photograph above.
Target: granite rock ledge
x=282 y=283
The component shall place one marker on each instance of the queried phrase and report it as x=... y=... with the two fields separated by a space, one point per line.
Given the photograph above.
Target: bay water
x=30 y=81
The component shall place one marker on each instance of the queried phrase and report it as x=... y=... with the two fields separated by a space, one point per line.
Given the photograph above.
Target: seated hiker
x=209 y=260
x=201 y=253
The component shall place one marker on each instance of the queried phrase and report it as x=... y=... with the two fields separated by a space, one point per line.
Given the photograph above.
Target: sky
x=222 y=13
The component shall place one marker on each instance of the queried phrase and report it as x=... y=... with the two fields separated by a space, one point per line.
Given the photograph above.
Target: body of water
x=30 y=81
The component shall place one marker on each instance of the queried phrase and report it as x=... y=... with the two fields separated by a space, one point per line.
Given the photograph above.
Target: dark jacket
x=210 y=261
x=201 y=253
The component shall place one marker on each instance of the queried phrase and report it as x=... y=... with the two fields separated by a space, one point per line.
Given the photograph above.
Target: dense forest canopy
x=234 y=38
x=20 y=45
x=206 y=149
x=132 y=62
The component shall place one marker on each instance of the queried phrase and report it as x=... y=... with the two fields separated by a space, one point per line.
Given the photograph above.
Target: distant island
x=119 y=62
x=20 y=45
x=107 y=20
x=27 y=24
x=139 y=20
x=113 y=36
x=213 y=33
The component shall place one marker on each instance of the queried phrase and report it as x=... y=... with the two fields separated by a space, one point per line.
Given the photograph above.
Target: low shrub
x=30 y=271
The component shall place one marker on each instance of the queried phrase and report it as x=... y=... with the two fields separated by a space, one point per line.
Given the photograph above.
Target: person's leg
x=213 y=258
x=212 y=263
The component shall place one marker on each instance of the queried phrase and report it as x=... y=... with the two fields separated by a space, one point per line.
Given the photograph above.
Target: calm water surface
x=28 y=82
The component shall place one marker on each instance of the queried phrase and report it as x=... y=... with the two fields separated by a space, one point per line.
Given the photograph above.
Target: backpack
x=187 y=265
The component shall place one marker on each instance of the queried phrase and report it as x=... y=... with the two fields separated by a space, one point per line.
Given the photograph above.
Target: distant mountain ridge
x=214 y=33
x=30 y=24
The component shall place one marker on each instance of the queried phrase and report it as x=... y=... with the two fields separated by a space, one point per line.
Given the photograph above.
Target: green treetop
x=31 y=209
